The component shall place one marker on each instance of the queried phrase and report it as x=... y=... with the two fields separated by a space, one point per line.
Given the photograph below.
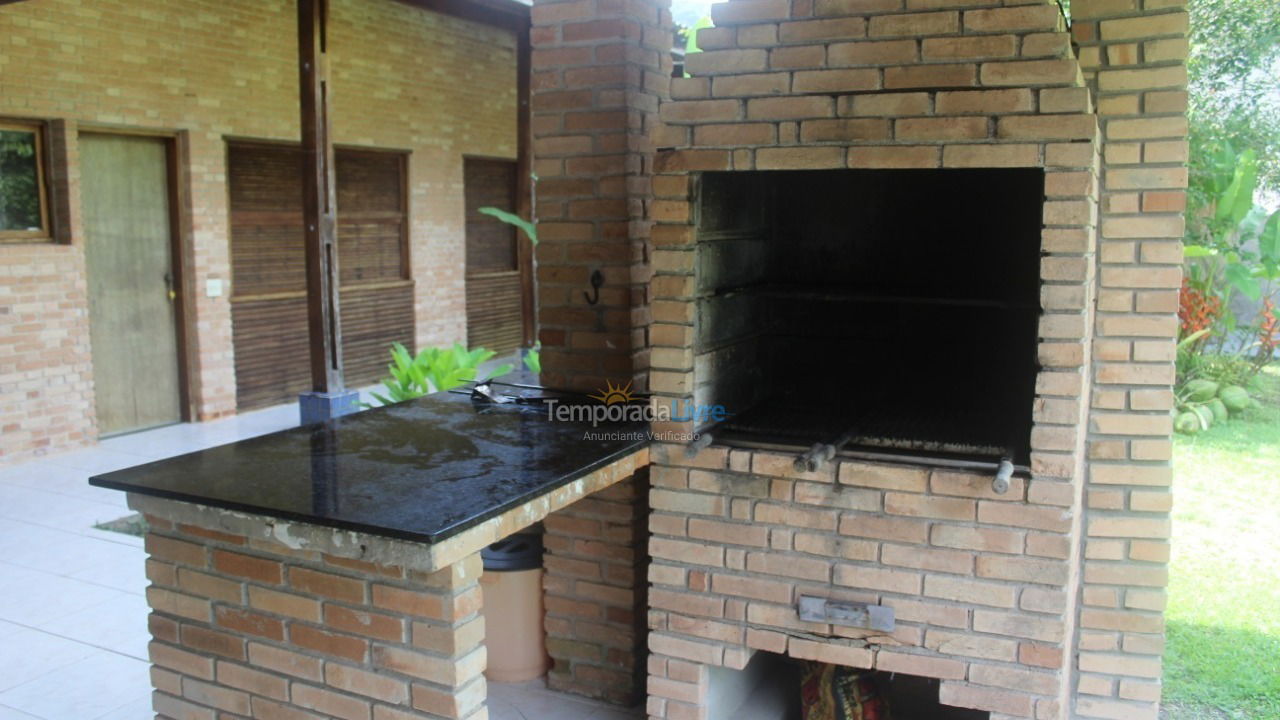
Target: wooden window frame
x=402 y=156
x=45 y=233
x=406 y=195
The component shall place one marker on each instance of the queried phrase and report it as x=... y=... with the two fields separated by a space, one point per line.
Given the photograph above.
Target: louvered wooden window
x=494 y=318
x=268 y=283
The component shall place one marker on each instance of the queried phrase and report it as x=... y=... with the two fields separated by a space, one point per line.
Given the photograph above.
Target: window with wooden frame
x=268 y=266
x=24 y=201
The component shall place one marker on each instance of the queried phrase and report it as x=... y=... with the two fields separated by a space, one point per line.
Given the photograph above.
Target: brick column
x=599 y=70
x=250 y=627
x=1134 y=54
x=595 y=593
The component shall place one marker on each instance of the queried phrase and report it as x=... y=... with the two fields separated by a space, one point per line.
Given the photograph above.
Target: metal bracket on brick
x=847 y=614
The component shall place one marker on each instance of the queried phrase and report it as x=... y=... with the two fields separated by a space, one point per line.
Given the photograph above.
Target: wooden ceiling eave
x=508 y=14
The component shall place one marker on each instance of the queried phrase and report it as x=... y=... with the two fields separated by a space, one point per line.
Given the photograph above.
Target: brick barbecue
x=925 y=253
x=1042 y=601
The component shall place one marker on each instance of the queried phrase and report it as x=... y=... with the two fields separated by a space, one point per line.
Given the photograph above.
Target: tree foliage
x=1234 y=89
x=19 y=194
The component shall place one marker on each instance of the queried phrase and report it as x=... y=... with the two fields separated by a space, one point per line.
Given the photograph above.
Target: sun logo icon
x=613 y=394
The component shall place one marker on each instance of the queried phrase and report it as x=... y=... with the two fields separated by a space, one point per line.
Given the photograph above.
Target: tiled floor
x=73 y=635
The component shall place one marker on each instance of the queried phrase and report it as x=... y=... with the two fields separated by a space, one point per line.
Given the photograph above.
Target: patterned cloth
x=835 y=692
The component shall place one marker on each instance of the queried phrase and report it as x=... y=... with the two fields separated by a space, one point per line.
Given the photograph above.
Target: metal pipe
x=699 y=444
x=883 y=457
x=1004 y=472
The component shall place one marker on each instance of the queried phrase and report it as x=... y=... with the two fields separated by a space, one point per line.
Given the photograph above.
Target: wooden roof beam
x=509 y=14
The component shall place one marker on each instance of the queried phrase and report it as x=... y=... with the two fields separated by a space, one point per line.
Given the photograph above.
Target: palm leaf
x=530 y=231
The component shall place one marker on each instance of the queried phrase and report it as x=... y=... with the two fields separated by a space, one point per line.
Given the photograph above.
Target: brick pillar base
x=595 y=593
x=247 y=627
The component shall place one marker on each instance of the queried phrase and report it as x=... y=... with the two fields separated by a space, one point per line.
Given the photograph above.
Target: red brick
x=347 y=647
x=248 y=567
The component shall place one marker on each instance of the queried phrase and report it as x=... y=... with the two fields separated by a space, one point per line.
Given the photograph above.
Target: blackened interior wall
x=880 y=299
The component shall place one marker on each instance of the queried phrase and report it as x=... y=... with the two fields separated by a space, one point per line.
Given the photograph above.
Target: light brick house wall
x=403 y=78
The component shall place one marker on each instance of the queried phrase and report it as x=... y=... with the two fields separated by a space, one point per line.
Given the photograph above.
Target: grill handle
x=1004 y=473
x=700 y=443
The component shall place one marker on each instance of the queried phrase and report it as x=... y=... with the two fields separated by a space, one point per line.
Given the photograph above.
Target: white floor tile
x=42 y=548
x=116 y=566
x=51 y=509
x=87 y=688
x=30 y=654
x=139 y=709
x=7 y=628
x=38 y=597
x=116 y=624
x=45 y=475
x=97 y=459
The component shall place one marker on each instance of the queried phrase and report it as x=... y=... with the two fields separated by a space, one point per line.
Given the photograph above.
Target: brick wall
x=43 y=310
x=599 y=72
x=1025 y=605
x=983 y=585
x=1133 y=53
x=597 y=551
x=250 y=627
x=980 y=583
x=402 y=78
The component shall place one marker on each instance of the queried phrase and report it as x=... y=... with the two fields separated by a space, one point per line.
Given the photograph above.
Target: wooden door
x=128 y=241
x=268 y=279
x=495 y=317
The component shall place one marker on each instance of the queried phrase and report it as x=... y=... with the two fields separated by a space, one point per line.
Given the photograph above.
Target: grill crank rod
x=820 y=454
x=1004 y=472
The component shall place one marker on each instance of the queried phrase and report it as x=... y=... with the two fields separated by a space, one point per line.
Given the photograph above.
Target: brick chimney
x=600 y=69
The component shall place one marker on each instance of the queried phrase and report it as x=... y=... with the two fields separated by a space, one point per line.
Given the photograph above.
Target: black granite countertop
x=422 y=470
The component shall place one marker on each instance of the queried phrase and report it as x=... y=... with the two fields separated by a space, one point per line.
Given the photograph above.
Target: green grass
x=1223 y=653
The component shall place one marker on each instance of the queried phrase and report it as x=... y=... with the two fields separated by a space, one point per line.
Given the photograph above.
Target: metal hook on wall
x=597 y=280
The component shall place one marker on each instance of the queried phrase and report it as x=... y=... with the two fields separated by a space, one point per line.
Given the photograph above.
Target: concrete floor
x=73 y=633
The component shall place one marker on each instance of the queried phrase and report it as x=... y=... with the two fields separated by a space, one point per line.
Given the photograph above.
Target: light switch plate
x=213 y=287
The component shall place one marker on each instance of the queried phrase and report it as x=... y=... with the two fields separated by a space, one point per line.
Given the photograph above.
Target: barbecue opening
x=883 y=312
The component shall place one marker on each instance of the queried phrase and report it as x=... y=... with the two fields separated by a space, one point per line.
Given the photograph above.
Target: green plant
x=533 y=359
x=1233 y=88
x=529 y=229
x=432 y=370
x=1226 y=369
x=1234 y=246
